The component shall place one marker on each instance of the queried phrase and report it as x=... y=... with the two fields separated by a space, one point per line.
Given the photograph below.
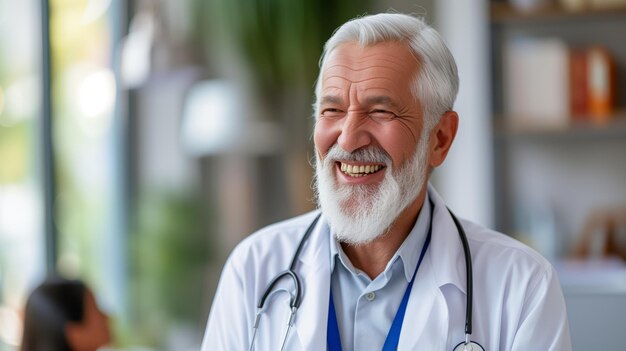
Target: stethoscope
x=296 y=297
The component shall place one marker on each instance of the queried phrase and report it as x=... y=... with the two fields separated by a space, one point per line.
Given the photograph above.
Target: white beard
x=358 y=214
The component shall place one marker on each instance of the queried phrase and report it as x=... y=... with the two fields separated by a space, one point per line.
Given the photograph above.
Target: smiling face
x=366 y=99
x=371 y=146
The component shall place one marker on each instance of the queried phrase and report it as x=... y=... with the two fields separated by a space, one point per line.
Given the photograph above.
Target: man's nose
x=354 y=132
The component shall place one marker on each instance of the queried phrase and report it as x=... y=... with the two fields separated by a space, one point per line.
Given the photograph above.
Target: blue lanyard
x=333 y=339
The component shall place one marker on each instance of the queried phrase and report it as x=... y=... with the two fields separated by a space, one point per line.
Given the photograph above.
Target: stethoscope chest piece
x=471 y=346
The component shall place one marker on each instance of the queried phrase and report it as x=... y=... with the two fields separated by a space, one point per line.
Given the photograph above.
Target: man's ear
x=441 y=138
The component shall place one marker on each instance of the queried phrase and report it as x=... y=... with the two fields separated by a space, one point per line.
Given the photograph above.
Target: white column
x=466 y=179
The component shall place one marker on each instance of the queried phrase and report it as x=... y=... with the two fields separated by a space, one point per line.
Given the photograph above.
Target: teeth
x=359 y=171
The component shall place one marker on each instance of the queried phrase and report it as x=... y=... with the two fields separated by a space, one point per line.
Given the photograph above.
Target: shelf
x=615 y=128
x=502 y=13
x=568 y=169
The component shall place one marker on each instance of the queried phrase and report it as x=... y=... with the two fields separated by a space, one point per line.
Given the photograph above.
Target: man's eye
x=382 y=114
x=331 y=112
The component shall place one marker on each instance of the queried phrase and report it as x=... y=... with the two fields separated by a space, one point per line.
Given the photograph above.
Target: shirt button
x=370 y=296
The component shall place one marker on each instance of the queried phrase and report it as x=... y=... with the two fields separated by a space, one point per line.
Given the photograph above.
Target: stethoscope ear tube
x=469 y=279
x=467 y=345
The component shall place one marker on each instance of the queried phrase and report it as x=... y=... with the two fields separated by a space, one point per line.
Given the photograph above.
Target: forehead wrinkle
x=337 y=76
x=361 y=69
x=333 y=87
x=359 y=76
x=370 y=100
x=375 y=78
x=378 y=97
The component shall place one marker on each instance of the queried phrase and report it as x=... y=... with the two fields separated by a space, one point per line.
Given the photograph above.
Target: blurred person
x=384 y=264
x=62 y=315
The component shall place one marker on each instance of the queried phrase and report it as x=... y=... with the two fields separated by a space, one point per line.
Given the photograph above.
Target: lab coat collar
x=443 y=264
x=446 y=250
x=310 y=324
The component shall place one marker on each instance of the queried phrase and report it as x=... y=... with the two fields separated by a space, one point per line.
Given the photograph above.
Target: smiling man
x=383 y=264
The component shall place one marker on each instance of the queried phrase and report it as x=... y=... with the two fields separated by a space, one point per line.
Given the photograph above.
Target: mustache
x=370 y=154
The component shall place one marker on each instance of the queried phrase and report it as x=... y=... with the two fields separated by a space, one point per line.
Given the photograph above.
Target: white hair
x=437 y=82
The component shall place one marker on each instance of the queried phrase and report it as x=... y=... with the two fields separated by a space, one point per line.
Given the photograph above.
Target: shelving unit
x=549 y=179
x=553 y=178
x=583 y=130
x=504 y=13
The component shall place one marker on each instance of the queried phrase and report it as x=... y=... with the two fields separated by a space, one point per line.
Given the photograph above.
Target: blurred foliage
x=77 y=44
x=168 y=280
x=15 y=150
x=281 y=40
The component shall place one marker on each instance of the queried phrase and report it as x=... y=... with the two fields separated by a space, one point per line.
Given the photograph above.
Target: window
x=21 y=206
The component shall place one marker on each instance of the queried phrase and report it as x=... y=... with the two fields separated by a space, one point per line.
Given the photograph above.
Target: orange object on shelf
x=601 y=84
x=603 y=234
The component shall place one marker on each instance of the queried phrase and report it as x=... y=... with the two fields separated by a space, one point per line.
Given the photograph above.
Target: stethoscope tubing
x=469 y=278
x=296 y=298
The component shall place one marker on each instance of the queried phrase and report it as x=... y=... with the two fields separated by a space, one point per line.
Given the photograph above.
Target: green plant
x=171 y=249
x=281 y=40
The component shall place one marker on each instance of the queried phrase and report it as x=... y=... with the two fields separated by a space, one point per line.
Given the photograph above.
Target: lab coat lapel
x=310 y=323
x=425 y=324
x=427 y=320
x=447 y=255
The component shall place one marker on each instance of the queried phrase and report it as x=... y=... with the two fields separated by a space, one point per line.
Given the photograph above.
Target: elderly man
x=384 y=265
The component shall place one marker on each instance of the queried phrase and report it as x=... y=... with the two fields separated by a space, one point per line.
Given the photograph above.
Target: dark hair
x=49 y=308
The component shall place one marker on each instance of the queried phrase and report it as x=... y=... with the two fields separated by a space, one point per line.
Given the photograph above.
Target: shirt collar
x=408 y=252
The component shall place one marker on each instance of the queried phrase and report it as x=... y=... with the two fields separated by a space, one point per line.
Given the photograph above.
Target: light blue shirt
x=365 y=308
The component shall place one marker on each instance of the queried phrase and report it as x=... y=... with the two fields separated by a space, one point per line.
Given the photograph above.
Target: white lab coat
x=518 y=303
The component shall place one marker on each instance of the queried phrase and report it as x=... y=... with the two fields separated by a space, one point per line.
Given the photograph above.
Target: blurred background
x=141 y=140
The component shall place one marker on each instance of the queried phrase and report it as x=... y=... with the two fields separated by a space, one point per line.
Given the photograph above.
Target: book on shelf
x=536 y=80
x=547 y=83
x=578 y=84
